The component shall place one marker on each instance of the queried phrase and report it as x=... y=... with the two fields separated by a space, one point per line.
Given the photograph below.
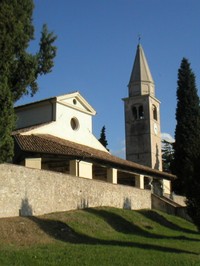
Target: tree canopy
x=167 y=155
x=187 y=131
x=193 y=195
x=20 y=69
x=102 y=138
x=7 y=120
x=187 y=141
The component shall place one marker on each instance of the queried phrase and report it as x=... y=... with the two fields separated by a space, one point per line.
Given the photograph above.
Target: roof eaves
x=47 y=144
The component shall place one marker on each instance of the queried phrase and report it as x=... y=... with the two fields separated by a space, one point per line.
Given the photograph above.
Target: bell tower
x=142 y=116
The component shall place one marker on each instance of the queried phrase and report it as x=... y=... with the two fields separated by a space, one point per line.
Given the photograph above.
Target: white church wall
x=34 y=115
x=72 y=125
x=64 y=115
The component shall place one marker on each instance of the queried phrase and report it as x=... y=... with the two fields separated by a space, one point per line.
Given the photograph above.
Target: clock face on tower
x=155 y=127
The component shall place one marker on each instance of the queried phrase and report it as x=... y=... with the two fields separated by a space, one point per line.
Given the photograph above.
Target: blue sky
x=96 y=43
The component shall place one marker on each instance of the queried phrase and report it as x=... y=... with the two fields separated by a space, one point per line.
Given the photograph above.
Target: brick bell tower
x=142 y=116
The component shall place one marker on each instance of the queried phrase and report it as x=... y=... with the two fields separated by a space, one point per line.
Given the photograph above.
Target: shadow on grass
x=160 y=219
x=121 y=225
x=62 y=232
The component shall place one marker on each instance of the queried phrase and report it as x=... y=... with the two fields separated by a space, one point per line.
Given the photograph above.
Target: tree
x=167 y=155
x=193 y=196
x=103 y=137
x=187 y=141
x=187 y=131
x=7 y=120
x=20 y=69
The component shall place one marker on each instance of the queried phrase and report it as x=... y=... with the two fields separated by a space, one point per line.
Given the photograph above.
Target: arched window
x=155 y=115
x=141 y=112
x=134 y=112
x=137 y=112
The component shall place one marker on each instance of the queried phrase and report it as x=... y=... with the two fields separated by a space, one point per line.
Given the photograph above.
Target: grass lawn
x=99 y=236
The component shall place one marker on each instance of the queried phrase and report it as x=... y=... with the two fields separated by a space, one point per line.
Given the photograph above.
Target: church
x=56 y=134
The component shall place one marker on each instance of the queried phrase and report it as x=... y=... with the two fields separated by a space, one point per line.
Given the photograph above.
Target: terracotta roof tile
x=44 y=143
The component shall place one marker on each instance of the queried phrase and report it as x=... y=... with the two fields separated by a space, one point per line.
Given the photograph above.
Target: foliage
x=167 y=155
x=102 y=138
x=193 y=195
x=20 y=69
x=99 y=236
x=187 y=132
x=187 y=145
x=7 y=119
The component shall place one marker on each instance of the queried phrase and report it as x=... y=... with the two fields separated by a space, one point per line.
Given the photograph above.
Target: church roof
x=48 y=144
x=65 y=100
x=140 y=71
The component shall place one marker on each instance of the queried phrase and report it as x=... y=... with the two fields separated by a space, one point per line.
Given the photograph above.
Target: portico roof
x=45 y=144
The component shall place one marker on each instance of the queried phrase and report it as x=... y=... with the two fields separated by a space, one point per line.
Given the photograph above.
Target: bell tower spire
x=142 y=116
x=141 y=81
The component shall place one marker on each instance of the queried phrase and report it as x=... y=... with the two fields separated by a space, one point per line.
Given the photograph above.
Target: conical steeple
x=141 y=81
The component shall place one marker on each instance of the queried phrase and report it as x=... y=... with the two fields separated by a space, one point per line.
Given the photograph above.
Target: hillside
x=99 y=236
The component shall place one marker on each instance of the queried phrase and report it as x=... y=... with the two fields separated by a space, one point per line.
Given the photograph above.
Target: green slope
x=99 y=236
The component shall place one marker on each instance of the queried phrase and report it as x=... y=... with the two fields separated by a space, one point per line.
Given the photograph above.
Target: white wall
x=33 y=115
x=62 y=127
x=65 y=114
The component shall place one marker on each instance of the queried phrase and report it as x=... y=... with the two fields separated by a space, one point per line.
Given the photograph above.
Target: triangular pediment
x=76 y=101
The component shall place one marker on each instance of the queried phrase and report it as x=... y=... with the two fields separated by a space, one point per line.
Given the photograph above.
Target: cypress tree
x=187 y=131
x=7 y=120
x=19 y=69
x=193 y=195
x=102 y=138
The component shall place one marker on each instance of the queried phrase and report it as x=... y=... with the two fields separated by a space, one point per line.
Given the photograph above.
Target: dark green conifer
x=7 y=119
x=193 y=195
x=103 y=137
x=20 y=69
x=187 y=141
x=187 y=129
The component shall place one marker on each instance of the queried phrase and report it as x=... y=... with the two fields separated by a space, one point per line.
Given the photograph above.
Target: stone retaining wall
x=25 y=191
x=162 y=204
x=180 y=200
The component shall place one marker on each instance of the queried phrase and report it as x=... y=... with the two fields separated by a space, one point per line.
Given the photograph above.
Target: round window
x=74 y=123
